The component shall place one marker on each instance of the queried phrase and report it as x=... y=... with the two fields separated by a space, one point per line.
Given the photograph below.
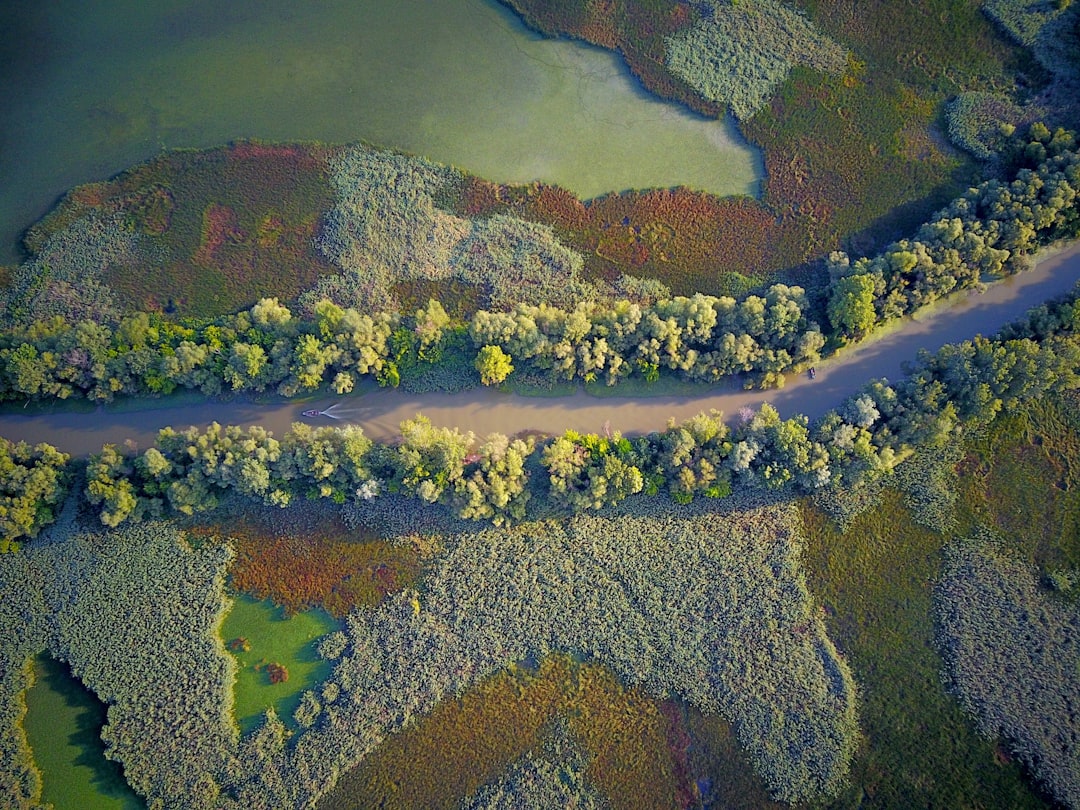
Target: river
x=485 y=410
x=92 y=87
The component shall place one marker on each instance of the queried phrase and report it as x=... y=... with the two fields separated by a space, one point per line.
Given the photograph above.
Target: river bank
x=485 y=410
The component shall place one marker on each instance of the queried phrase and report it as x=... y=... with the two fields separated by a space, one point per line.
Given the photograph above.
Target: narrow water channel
x=484 y=410
x=92 y=87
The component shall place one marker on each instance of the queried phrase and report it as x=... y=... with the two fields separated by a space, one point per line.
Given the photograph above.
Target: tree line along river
x=485 y=410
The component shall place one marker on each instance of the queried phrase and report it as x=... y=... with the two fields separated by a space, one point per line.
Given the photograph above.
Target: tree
x=493 y=364
x=494 y=485
x=32 y=484
x=430 y=459
x=851 y=305
x=109 y=484
x=587 y=471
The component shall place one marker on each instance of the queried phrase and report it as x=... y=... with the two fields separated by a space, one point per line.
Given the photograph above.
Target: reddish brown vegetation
x=220 y=227
x=467 y=742
x=240 y=644
x=690 y=240
x=678 y=740
x=323 y=565
x=277 y=673
x=227 y=226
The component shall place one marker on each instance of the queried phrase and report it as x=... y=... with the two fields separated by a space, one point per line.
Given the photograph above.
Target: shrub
x=67 y=275
x=551 y=777
x=32 y=487
x=739 y=52
x=388 y=228
x=136 y=615
x=978 y=122
x=712 y=610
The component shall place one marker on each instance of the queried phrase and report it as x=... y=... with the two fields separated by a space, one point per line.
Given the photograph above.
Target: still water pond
x=267 y=637
x=93 y=86
x=63 y=726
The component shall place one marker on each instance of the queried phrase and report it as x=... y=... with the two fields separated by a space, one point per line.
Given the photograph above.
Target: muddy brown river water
x=485 y=411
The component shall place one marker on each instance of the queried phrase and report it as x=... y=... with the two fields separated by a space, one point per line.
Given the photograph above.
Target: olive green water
x=274 y=638
x=91 y=87
x=63 y=726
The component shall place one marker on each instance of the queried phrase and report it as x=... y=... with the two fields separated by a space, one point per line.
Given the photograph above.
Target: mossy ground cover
x=469 y=741
x=223 y=226
x=261 y=635
x=919 y=748
x=63 y=726
x=1021 y=480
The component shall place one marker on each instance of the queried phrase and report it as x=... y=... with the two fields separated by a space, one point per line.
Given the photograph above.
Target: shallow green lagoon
x=274 y=638
x=93 y=86
x=63 y=725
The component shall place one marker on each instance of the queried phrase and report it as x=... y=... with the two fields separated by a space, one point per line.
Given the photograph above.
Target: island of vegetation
x=876 y=608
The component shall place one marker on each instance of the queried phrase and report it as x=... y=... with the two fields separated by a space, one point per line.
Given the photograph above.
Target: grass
x=469 y=741
x=919 y=748
x=273 y=637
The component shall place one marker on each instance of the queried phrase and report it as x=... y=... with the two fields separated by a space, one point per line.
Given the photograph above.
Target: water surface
x=90 y=87
x=274 y=637
x=63 y=726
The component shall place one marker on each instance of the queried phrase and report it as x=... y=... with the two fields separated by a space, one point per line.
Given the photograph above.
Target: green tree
x=851 y=305
x=32 y=484
x=109 y=485
x=493 y=364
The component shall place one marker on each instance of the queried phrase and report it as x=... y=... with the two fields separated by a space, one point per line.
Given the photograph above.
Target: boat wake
x=332 y=412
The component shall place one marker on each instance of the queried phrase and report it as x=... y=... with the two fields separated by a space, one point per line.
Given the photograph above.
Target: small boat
x=314 y=412
x=813 y=372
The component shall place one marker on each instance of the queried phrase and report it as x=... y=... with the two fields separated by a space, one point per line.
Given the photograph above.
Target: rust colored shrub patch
x=224 y=227
x=467 y=742
x=306 y=564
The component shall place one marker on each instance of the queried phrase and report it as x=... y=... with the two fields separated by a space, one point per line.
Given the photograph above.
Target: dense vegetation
x=455 y=642
x=852 y=151
x=991 y=231
x=1012 y=658
x=32 y=487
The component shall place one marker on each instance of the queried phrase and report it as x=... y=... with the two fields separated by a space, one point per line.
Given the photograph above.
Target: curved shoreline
x=484 y=410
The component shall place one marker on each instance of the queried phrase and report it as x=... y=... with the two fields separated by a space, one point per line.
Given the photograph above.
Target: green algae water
x=273 y=638
x=63 y=726
x=94 y=86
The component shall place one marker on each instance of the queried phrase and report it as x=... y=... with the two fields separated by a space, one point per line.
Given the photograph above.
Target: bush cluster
x=551 y=777
x=738 y=53
x=978 y=122
x=991 y=231
x=1051 y=29
x=136 y=614
x=32 y=488
x=1012 y=656
x=65 y=278
x=388 y=227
